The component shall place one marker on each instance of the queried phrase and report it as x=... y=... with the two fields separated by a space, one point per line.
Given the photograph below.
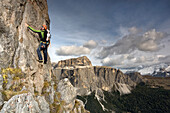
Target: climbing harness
x=44 y=42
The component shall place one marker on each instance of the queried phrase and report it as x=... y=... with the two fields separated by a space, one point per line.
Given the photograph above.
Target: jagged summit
x=80 y=61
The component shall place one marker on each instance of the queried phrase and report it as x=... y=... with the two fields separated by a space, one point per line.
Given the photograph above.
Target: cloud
x=130 y=60
x=103 y=41
x=112 y=61
x=145 y=59
x=149 y=45
x=165 y=59
x=72 y=50
x=123 y=31
x=149 y=41
x=122 y=60
x=133 y=30
x=91 y=44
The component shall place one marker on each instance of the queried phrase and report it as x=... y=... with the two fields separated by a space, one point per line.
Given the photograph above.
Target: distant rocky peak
x=73 y=62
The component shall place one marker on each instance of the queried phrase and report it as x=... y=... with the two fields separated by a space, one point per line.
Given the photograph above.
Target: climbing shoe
x=40 y=61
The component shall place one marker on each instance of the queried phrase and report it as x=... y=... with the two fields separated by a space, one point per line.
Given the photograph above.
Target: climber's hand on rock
x=26 y=25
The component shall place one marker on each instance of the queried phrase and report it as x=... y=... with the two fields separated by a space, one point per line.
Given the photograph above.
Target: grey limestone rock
x=44 y=106
x=1 y=82
x=25 y=103
x=68 y=94
x=1 y=99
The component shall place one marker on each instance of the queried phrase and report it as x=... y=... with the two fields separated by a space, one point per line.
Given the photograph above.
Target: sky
x=117 y=33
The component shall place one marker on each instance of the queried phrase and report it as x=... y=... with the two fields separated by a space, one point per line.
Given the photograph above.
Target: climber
x=44 y=35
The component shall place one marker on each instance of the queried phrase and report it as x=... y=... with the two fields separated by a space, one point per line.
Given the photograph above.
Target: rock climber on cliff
x=44 y=41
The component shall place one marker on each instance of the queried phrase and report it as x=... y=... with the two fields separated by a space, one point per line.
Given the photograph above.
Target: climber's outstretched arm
x=36 y=31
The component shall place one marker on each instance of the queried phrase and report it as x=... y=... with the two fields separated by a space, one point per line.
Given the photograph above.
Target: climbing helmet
x=45 y=27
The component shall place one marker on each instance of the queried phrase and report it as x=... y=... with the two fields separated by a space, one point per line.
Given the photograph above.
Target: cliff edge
x=25 y=85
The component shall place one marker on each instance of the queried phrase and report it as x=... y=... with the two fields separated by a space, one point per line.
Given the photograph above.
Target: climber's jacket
x=42 y=34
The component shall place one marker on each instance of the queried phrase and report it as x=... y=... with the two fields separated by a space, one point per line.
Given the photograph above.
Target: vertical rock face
x=18 y=50
x=90 y=78
x=17 y=44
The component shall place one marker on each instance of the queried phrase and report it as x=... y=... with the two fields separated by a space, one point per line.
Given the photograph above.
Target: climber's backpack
x=48 y=36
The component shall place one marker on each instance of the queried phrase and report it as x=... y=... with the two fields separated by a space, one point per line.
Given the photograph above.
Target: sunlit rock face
x=80 y=61
x=88 y=78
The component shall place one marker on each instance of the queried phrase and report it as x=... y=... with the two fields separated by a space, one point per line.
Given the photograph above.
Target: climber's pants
x=43 y=48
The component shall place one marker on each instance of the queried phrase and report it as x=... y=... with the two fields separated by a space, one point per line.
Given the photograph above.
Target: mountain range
x=149 y=70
